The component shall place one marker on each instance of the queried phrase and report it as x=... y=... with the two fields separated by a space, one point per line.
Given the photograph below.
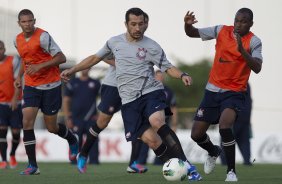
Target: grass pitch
x=115 y=173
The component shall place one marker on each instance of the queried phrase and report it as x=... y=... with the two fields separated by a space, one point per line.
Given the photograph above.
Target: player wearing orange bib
x=41 y=58
x=238 y=52
x=10 y=107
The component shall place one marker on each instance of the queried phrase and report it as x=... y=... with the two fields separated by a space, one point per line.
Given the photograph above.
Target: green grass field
x=114 y=173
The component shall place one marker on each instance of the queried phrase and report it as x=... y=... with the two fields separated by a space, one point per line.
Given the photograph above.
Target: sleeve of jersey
x=158 y=57
x=256 y=47
x=105 y=51
x=48 y=44
x=16 y=65
x=209 y=33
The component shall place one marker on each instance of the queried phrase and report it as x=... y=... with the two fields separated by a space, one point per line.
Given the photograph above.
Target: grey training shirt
x=134 y=65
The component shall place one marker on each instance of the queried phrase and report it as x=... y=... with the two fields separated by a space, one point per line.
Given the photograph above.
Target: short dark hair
x=1 y=42
x=247 y=11
x=134 y=11
x=25 y=12
x=146 y=16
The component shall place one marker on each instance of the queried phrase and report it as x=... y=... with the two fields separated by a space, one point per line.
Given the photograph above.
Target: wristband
x=183 y=74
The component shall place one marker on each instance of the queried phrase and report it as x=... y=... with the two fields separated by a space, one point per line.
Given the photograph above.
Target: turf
x=114 y=173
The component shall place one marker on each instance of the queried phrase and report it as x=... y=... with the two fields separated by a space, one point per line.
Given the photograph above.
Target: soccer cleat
x=30 y=170
x=231 y=176
x=13 y=162
x=136 y=168
x=211 y=162
x=81 y=163
x=3 y=165
x=193 y=175
x=73 y=151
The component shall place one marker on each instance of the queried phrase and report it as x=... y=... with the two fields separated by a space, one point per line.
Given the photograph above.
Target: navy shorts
x=110 y=100
x=11 y=118
x=136 y=114
x=214 y=103
x=49 y=101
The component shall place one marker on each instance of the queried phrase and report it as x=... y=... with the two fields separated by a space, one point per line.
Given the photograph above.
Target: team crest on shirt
x=91 y=84
x=200 y=113
x=128 y=135
x=111 y=109
x=141 y=53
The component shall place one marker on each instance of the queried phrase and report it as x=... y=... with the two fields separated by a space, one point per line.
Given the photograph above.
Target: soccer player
x=238 y=52
x=143 y=100
x=41 y=58
x=79 y=107
x=171 y=120
x=10 y=106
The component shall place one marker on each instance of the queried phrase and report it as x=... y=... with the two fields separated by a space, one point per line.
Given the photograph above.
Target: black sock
x=171 y=140
x=66 y=134
x=15 y=143
x=30 y=144
x=92 y=136
x=3 y=144
x=135 y=150
x=207 y=145
x=228 y=144
x=162 y=153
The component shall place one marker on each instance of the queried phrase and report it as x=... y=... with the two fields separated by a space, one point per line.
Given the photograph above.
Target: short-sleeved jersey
x=38 y=49
x=9 y=69
x=230 y=70
x=134 y=65
x=83 y=96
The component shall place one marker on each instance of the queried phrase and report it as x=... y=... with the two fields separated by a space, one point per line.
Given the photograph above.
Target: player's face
x=2 y=51
x=27 y=22
x=136 y=26
x=242 y=23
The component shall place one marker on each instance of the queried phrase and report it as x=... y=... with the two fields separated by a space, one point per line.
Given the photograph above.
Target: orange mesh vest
x=230 y=70
x=31 y=53
x=7 y=80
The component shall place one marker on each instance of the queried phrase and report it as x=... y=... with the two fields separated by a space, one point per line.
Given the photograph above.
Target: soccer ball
x=174 y=170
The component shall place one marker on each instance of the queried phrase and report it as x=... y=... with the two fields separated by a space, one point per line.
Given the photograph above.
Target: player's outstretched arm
x=84 y=64
x=190 y=30
x=176 y=73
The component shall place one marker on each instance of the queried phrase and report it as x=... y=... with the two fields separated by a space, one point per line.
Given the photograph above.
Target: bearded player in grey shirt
x=143 y=100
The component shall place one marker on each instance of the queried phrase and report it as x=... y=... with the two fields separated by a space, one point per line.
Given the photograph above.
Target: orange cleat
x=3 y=165
x=13 y=162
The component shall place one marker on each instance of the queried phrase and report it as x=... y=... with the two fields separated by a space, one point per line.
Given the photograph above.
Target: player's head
x=2 y=50
x=243 y=21
x=159 y=75
x=26 y=21
x=135 y=24
x=146 y=20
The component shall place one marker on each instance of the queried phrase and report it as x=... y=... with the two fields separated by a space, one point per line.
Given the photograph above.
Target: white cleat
x=211 y=162
x=231 y=176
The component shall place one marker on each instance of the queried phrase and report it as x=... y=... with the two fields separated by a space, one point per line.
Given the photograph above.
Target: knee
x=154 y=144
x=195 y=136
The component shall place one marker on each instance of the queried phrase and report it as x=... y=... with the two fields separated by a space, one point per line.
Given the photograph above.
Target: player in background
x=10 y=106
x=79 y=107
x=41 y=58
x=143 y=107
x=238 y=52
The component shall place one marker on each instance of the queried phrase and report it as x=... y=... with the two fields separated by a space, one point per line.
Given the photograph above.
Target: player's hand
x=18 y=82
x=66 y=75
x=14 y=104
x=32 y=69
x=240 y=47
x=187 y=80
x=190 y=18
